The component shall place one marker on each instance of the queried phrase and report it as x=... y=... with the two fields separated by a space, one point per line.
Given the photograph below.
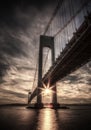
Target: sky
x=21 y=24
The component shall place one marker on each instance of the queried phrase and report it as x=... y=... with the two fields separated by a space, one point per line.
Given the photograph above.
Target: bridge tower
x=45 y=41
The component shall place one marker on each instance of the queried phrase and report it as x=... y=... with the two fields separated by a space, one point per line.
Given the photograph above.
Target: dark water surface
x=20 y=118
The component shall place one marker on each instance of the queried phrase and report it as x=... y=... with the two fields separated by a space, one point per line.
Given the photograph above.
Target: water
x=20 y=118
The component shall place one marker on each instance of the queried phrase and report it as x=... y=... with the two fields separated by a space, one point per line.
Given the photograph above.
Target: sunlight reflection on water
x=20 y=118
x=47 y=120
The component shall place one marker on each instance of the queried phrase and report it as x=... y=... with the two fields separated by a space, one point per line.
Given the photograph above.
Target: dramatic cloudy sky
x=21 y=24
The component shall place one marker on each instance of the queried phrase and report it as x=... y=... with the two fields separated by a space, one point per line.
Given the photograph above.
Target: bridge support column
x=45 y=41
x=54 y=97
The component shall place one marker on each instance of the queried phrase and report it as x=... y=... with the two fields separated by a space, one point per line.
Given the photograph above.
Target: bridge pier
x=45 y=41
x=54 y=97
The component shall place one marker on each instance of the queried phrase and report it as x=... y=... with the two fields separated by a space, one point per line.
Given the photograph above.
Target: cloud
x=21 y=25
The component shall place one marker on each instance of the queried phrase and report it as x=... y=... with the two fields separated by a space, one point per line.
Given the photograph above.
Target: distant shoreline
x=17 y=104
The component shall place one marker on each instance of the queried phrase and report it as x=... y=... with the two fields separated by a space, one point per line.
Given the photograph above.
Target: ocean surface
x=21 y=118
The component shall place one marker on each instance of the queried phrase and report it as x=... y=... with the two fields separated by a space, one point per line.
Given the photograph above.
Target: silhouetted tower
x=45 y=41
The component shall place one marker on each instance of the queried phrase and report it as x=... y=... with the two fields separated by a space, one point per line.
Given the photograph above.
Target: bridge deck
x=76 y=53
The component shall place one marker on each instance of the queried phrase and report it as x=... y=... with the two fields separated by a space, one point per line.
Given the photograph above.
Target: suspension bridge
x=68 y=36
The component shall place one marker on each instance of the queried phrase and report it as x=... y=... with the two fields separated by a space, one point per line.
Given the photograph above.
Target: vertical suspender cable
x=59 y=3
x=53 y=15
x=73 y=10
x=62 y=24
x=34 y=76
x=45 y=61
x=65 y=23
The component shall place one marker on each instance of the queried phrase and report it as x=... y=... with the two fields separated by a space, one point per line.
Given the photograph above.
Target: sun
x=47 y=90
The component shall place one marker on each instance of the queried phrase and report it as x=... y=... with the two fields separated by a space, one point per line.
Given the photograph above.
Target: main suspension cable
x=59 y=3
x=69 y=21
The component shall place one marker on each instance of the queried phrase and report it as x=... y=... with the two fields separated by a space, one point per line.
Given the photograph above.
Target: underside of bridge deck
x=75 y=54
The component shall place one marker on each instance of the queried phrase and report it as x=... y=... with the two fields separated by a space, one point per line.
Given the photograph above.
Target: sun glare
x=47 y=91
